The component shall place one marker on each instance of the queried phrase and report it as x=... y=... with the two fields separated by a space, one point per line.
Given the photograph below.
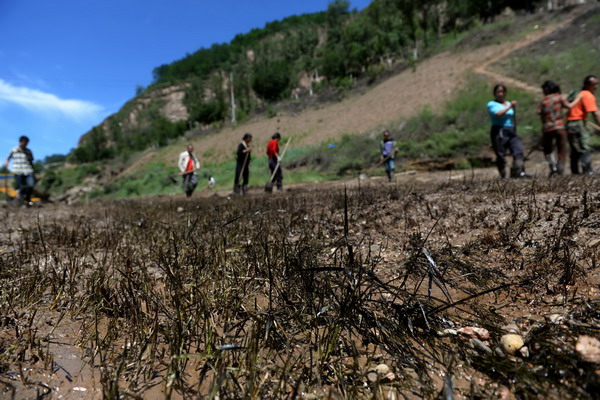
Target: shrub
x=271 y=80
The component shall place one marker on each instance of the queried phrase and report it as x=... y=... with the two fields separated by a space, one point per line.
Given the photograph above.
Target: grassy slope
x=447 y=122
x=565 y=56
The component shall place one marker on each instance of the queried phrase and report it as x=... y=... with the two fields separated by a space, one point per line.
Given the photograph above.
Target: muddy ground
x=303 y=294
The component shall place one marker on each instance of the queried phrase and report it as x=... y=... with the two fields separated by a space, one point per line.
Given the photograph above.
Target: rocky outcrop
x=169 y=101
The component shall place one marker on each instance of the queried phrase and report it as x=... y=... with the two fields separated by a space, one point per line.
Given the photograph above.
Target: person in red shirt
x=188 y=165
x=275 y=160
x=579 y=135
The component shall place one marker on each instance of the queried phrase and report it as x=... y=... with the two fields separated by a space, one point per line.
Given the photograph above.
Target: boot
x=551 y=164
x=502 y=171
x=586 y=163
x=244 y=190
x=518 y=169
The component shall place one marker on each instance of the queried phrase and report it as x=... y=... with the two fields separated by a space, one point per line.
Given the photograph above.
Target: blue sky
x=65 y=65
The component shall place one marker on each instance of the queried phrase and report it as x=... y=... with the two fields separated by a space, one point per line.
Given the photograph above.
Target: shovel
x=269 y=185
x=173 y=178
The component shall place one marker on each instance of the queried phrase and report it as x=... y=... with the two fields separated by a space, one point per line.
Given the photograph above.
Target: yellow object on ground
x=7 y=189
x=11 y=192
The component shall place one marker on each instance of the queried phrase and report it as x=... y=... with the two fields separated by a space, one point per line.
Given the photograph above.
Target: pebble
x=503 y=393
x=593 y=242
x=180 y=210
x=389 y=377
x=479 y=345
x=474 y=332
x=511 y=328
x=588 y=348
x=447 y=332
x=511 y=343
x=381 y=372
x=382 y=369
x=555 y=318
x=372 y=376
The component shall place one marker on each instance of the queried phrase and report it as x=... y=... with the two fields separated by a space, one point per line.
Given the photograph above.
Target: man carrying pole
x=242 y=167
x=188 y=165
x=275 y=163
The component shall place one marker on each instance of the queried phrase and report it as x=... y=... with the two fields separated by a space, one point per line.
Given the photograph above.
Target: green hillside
x=451 y=136
x=334 y=49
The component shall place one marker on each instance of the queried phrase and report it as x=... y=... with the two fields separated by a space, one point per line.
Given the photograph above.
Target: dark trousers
x=190 y=181
x=581 y=149
x=506 y=139
x=278 y=178
x=245 y=175
x=25 y=184
x=560 y=137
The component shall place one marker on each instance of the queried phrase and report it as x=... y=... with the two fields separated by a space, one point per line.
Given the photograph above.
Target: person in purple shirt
x=388 y=152
x=504 y=133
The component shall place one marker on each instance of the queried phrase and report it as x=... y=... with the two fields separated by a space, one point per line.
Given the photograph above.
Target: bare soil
x=300 y=294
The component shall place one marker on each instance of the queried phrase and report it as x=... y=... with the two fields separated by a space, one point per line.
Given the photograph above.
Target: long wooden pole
x=280 y=158
x=593 y=125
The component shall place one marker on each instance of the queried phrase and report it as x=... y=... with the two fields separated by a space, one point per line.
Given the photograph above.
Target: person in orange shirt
x=579 y=135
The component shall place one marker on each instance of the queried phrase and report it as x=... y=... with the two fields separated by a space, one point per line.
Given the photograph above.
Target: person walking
x=388 y=153
x=553 y=127
x=504 y=133
x=577 y=130
x=242 y=167
x=22 y=167
x=188 y=165
x=275 y=161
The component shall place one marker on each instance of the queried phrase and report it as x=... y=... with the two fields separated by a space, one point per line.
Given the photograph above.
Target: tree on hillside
x=336 y=10
x=271 y=79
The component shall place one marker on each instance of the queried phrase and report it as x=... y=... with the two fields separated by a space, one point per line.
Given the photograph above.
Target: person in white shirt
x=188 y=165
x=22 y=167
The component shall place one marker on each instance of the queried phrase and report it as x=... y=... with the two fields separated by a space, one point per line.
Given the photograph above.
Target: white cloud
x=38 y=101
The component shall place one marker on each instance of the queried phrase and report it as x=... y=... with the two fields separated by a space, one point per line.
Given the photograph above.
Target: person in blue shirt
x=504 y=133
x=388 y=152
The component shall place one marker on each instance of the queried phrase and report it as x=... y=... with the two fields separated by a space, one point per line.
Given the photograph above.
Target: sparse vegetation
x=565 y=57
x=303 y=294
